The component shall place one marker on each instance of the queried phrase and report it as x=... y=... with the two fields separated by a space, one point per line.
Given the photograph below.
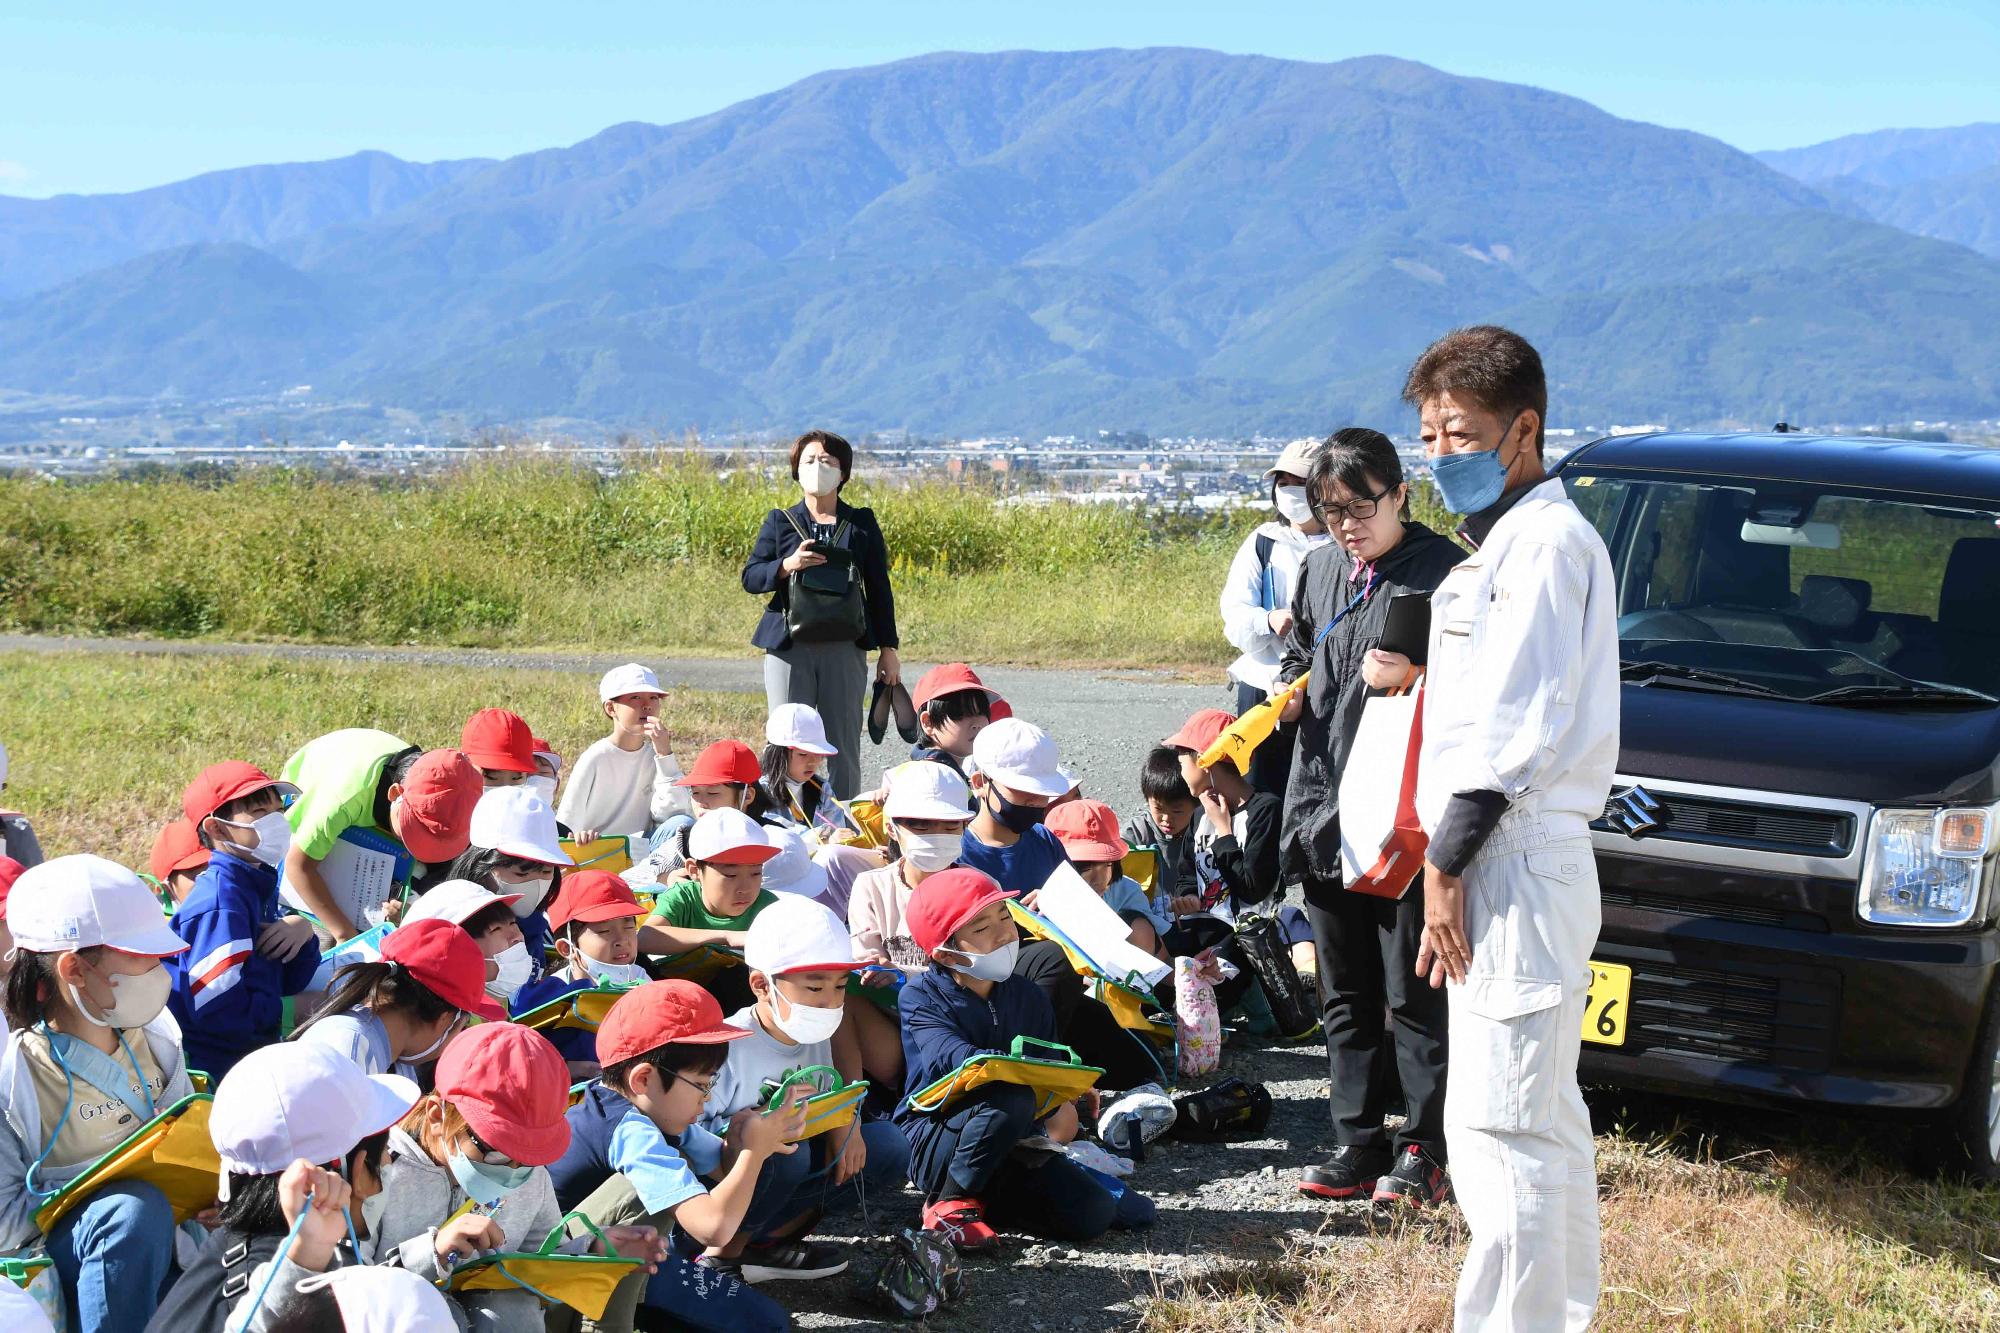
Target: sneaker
x=963 y=1223
x=791 y=1259
x=1349 y=1174
x=715 y=1263
x=1416 y=1180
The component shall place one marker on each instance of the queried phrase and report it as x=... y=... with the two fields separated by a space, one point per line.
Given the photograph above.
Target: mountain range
x=1173 y=240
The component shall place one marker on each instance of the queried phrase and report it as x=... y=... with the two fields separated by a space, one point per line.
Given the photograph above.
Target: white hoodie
x=1246 y=611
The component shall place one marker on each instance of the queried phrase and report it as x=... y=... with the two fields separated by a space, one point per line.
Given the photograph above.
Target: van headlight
x=1925 y=867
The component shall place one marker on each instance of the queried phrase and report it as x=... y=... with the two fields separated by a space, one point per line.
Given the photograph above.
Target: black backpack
x=1261 y=943
x=824 y=604
x=1230 y=1109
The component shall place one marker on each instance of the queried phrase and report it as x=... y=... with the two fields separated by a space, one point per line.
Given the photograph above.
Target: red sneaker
x=963 y=1223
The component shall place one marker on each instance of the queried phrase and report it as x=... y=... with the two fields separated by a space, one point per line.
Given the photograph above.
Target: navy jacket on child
x=944 y=1024
x=574 y=1043
x=228 y=998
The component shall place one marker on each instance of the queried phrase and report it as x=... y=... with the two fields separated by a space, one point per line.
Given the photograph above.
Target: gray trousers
x=833 y=678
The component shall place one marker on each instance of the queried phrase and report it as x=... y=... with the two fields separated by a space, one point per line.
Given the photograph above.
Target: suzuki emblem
x=1637 y=813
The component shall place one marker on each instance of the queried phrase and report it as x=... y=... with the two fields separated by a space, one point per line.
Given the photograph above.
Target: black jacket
x=1311 y=839
x=777 y=539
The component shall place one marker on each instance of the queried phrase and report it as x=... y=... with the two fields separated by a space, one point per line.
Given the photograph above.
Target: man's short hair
x=1494 y=367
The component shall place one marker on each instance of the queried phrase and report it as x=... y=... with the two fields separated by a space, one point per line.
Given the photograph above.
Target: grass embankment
x=534 y=553
x=101 y=745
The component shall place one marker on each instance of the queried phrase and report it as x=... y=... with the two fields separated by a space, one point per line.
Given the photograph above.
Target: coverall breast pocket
x=1503 y=1037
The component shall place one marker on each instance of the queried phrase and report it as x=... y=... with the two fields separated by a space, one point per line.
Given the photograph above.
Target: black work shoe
x=791 y=1259
x=1350 y=1173
x=1416 y=1180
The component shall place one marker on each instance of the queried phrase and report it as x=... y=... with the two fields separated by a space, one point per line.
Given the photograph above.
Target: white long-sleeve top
x=1522 y=694
x=1247 y=601
x=623 y=793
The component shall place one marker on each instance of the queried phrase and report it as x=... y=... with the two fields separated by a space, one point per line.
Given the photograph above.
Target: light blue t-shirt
x=1125 y=896
x=661 y=1175
x=359 y=1034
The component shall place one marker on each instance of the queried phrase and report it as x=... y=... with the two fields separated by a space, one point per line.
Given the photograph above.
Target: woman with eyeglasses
x=1367 y=945
x=1257 y=600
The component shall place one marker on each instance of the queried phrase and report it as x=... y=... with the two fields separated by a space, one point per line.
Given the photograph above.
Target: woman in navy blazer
x=831 y=677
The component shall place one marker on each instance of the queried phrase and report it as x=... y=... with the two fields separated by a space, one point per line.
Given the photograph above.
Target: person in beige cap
x=1256 y=599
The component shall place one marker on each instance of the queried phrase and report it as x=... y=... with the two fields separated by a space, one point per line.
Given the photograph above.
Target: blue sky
x=115 y=95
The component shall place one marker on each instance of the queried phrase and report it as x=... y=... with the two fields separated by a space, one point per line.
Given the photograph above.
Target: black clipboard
x=1407 y=628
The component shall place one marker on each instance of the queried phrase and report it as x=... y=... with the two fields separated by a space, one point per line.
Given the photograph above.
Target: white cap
x=1020 y=756
x=798 y=727
x=456 y=901
x=793 y=869
x=926 y=789
x=78 y=902
x=628 y=679
x=720 y=832
x=296 y=1099
x=1297 y=459
x=22 y=1312
x=372 y=1298
x=797 y=934
x=517 y=821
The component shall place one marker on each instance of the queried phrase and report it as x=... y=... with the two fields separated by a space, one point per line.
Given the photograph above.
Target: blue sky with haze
x=116 y=95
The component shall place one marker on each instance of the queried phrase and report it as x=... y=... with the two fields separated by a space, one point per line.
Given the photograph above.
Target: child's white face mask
x=930 y=852
x=805 y=1024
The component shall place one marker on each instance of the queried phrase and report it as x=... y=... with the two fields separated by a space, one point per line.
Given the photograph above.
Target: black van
x=1798 y=856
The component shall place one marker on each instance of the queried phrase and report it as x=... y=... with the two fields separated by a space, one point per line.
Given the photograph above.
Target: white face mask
x=930 y=852
x=515 y=970
x=532 y=892
x=1292 y=503
x=995 y=966
x=543 y=786
x=136 y=1000
x=274 y=836
x=805 y=1024
x=611 y=974
x=820 y=477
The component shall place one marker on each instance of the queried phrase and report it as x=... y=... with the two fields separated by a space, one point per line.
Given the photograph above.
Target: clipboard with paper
x=171 y=1151
x=1142 y=866
x=701 y=964
x=580 y=1010
x=1052 y=1081
x=1128 y=994
x=611 y=854
x=829 y=1108
x=583 y=1282
x=362 y=871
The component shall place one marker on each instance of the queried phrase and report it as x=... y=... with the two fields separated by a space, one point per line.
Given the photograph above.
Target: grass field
x=543 y=554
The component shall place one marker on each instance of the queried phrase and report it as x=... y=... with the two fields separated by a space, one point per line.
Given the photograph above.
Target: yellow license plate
x=1604 y=1008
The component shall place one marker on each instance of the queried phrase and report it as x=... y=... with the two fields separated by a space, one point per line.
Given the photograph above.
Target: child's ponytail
x=381 y=985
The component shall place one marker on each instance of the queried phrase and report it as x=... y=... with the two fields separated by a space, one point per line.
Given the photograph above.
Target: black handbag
x=824 y=604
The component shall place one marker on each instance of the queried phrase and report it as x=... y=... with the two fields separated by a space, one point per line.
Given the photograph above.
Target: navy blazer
x=776 y=541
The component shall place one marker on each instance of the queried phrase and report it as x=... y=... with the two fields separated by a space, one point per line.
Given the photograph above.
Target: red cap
x=512 y=1086
x=177 y=848
x=1088 y=830
x=10 y=870
x=725 y=761
x=999 y=711
x=496 y=738
x=947 y=900
x=219 y=784
x=438 y=797
x=1199 y=732
x=590 y=896
x=445 y=958
x=660 y=1013
x=951 y=678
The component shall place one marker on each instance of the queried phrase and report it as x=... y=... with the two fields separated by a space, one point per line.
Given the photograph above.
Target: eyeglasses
x=705 y=1089
x=1358 y=510
x=488 y=1153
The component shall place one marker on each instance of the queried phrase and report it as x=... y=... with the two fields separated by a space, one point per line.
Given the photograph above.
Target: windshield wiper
x=1644 y=673
x=1914 y=692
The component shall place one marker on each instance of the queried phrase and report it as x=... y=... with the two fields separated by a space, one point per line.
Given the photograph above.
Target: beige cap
x=1297 y=460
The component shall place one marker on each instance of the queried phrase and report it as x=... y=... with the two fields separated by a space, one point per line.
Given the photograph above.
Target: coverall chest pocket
x=1458 y=610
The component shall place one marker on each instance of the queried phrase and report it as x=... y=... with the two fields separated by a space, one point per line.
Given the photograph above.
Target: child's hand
x=1032 y=900
x=282 y=940
x=735 y=939
x=852 y=1158
x=583 y=837
x=767 y=1133
x=465 y=1237
x=1216 y=808
x=657 y=733
x=1184 y=903
x=392 y=911
x=1294 y=708
x=645 y=1244
x=321 y=1196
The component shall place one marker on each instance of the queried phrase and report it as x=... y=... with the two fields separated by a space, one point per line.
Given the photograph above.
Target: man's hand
x=1384 y=671
x=465 y=1237
x=1444 y=950
x=1280 y=621
x=852 y=1158
x=657 y=733
x=282 y=940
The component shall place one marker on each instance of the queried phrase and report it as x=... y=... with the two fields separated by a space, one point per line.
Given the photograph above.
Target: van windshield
x=1776 y=588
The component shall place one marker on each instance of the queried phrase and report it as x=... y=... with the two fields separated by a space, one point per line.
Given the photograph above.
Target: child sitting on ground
x=985 y=1160
x=596 y=922
x=92 y=1055
x=177 y=858
x=721 y=896
x=953 y=707
x=245 y=954
x=795 y=751
x=489 y=919
x=1088 y=831
x=925 y=813
x=500 y=745
x=394 y=1014
x=1016 y=778
x=516 y=851
x=626 y=784
x=1168 y=828
x=289 y=1120
x=799 y=959
x=466 y=1172
x=637 y=1155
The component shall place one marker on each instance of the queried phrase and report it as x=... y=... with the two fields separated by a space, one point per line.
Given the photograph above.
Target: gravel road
x=1104 y=722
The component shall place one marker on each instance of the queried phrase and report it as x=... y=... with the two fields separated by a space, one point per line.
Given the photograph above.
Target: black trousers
x=1375 y=1006
x=1271 y=765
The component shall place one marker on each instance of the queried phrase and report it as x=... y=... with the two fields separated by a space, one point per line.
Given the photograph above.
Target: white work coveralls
x=1522 y=700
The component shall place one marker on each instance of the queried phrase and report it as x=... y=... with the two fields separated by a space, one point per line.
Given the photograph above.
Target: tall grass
x=547 y=553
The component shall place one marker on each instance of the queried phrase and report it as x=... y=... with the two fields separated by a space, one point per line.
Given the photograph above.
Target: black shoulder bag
x=824 y=604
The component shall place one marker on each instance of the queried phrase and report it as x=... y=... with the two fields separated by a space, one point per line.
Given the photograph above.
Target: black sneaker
x=1349 y=1174
x=1416 y=1180
x=791 y=1259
